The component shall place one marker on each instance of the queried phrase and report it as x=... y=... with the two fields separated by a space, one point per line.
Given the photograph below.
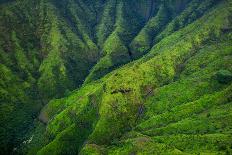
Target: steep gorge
x=116 y=76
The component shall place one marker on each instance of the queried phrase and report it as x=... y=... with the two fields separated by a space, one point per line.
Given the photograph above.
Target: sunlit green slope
x=174 y=100
x=137 y=77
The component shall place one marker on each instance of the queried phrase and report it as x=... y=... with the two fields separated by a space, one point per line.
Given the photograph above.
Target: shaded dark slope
x=20 y=58
x=135 y=33
x=42 y=57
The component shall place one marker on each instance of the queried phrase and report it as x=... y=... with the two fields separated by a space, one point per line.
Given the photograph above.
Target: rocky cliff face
x=148 y=76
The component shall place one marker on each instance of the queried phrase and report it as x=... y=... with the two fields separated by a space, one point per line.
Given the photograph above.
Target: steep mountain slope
x=151 y=77
x=41 y=58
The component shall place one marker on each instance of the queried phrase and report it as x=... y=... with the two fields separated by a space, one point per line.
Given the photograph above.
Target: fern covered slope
x=116 y=77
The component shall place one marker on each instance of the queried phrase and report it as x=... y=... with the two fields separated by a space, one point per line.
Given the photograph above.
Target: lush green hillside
x=116 y=77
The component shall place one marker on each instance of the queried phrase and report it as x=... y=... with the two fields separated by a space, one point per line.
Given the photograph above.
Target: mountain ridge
x=122 y=61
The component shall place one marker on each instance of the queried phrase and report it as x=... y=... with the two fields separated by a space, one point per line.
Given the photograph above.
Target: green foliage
x=15 y=111
x=106 y=25
x=53 y=78
x=143 y=41
x=224 y=76
x=115 y=54
x=174 y=99
x=193 y=11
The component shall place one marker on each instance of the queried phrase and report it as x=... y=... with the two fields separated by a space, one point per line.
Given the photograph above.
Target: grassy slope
x=42 y=57
x=174 y=100
x=132 y=31
x=18 y=62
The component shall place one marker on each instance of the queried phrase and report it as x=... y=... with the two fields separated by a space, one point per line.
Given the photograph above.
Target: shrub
x=224 y=76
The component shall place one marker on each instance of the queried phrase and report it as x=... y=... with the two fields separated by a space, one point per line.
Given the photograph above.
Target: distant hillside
x=116 y=77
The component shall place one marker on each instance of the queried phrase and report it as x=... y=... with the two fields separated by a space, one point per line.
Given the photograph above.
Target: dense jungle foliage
x=120 y=77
